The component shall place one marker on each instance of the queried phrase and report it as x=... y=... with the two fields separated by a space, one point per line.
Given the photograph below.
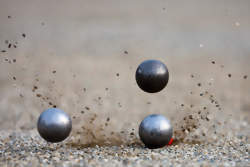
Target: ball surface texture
x=54 y=125
x=155 y=131
x=152 y=76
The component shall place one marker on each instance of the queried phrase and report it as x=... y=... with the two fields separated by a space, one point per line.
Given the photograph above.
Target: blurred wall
x=143 y=27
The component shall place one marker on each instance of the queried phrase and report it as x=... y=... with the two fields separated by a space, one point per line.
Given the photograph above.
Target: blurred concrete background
x=146 y=28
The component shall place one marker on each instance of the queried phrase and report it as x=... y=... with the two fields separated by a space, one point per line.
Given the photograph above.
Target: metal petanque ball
x=54 y=125
x=152 y=76
x=155 y=131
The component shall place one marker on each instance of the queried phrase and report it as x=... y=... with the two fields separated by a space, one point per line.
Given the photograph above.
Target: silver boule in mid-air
x=54 y=125
x=155 y=131
x=152 y=76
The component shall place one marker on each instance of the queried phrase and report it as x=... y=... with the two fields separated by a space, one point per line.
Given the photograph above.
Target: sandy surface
x=27 y=149
x=83 y=61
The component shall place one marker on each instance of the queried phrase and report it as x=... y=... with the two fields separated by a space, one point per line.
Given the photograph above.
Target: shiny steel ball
x=54 y=125
x=155 y=131
x=152 y=76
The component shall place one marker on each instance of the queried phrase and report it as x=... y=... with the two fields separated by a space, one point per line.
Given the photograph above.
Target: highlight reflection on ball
x=54 y=125
x=152 y=76
x=155 y=131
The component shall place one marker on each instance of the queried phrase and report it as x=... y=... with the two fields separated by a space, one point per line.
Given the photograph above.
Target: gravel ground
x=28 y=149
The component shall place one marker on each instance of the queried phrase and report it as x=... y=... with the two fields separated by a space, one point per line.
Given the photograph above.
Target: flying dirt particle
x=14 y=78
x=182 y=105
x=50 y=103
x=14 y=60
x=199 y=112
x=6 y=42
x=163 y=8
x=54 y=71
x=117 y=74
x=74 y=117
x=42 y=23
x=34 y=88
x=190 y=117
x=191 y=106
x=199 y=84
x=245 y=76
x=229 y=75
x=217 y=105
x=106 y=89
x=201 y=94
x=84 y=89
x=38 y=95
x=108 y=119
x=3 y=51
x=192 y=76
x=87 y=108
x=125 y=52
x=21 y=95
x=9 y=46
x=9 y=17
x=132 y=134
x=82 y=112
x=54 y=106
x=23 y=35
x=99 y=98
x=148 y=102
x=14 y=46
x=204 y=108
x=213 y=62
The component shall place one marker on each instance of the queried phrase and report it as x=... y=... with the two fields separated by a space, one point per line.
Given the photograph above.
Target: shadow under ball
x=155 y=131
x=152 y=76
x=54 y=125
